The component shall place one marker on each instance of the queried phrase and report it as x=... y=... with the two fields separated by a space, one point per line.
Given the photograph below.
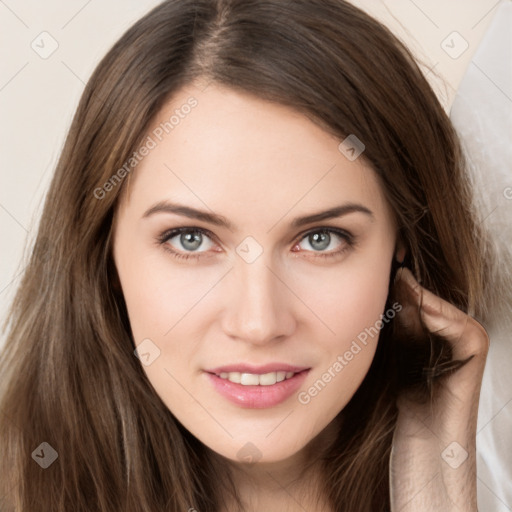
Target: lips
x=251 y=375
x=257 y=369
x=257 y=386
x=254 y=379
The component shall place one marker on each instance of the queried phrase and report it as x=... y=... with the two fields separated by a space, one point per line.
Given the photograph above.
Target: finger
x=467 y=337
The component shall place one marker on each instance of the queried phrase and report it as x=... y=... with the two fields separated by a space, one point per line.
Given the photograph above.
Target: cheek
x=169 y=303
x=351 y=304
x=164 y=306
x=347 y=298
x=159 y=295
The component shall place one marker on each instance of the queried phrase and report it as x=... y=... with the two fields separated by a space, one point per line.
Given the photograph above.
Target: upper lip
x=255 y=369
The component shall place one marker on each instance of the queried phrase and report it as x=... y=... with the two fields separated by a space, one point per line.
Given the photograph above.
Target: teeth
x=253 y=379
x=249 y=379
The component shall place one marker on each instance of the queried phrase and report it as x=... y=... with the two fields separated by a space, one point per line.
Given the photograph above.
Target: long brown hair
x=68 y=373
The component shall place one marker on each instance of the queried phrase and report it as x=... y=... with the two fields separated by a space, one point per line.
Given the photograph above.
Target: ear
x=400 y=251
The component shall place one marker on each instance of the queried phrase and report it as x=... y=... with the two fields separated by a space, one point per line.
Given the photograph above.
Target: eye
x=188 y=240
x=321 y=239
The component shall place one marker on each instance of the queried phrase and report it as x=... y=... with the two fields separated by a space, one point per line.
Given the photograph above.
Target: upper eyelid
x=333 y=229
x=171 y=233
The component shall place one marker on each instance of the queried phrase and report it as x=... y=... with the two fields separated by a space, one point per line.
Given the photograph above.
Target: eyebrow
x=219 y=220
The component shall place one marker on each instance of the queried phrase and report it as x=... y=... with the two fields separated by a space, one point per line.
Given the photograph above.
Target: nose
x=260 y=306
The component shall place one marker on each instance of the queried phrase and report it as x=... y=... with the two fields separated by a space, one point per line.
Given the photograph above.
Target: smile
x=254 y=379
x=257 y=387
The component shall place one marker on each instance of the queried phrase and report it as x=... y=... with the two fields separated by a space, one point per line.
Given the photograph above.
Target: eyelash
x=167 y=235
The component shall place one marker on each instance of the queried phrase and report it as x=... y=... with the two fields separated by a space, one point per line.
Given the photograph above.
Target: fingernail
x=398 y=275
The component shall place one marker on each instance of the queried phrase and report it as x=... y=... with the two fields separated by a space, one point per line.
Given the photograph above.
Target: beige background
x=38 y=96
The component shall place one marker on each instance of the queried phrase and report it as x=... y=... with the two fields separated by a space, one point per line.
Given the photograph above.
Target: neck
x=290 y=485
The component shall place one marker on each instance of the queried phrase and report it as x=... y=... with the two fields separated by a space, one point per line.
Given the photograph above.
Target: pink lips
x=257 y=397
x=266 y=368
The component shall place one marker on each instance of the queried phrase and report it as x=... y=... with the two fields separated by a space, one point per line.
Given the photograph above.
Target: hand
x=433 y=460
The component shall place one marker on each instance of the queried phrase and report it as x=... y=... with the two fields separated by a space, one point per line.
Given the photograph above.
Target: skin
x=433 y=463
x=259 y=165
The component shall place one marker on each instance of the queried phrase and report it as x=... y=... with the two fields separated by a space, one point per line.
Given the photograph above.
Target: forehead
x=250 y=159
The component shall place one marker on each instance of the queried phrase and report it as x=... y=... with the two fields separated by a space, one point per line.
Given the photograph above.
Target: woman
x=275 y=351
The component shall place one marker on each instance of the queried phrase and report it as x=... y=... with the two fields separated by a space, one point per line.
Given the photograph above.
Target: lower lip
x=258 y=397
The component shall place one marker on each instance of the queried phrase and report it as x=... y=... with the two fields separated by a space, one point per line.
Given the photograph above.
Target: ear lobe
x=400 y=252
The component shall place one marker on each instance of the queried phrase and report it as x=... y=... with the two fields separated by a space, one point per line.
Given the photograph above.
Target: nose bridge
x=259 y=307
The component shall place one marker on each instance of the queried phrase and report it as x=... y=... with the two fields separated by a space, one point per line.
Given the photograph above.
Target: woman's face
x=281 y=270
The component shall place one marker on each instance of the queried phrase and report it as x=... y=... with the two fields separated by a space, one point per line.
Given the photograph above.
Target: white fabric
x=482 y=114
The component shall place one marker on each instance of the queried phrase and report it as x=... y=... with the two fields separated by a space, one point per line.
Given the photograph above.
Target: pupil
x=191 y=241
x=319 y=241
